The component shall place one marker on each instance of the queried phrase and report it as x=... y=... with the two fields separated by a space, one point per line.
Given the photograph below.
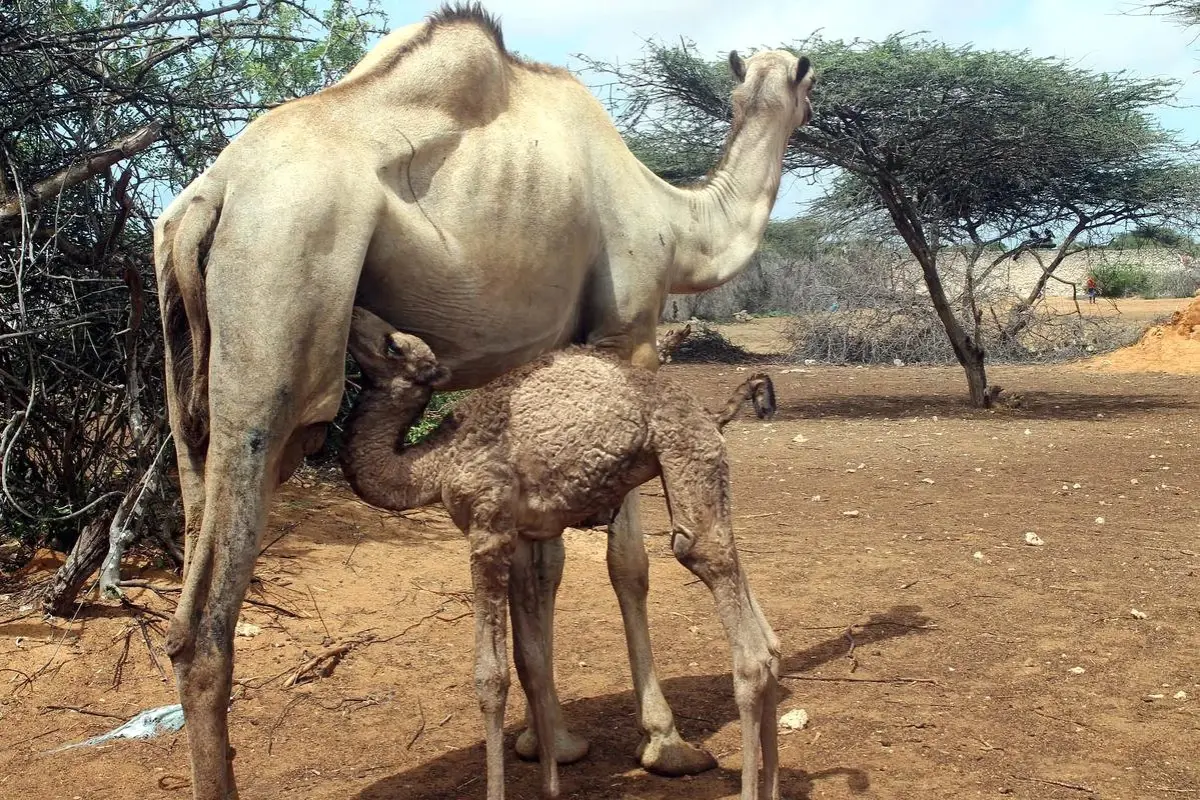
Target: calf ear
x=737 y=66
x=802 y=69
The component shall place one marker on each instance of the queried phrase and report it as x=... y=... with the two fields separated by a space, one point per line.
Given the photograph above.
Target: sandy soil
x=936 y=653
x=1173 y=347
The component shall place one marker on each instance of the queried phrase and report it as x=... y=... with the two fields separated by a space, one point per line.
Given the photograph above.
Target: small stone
x=1150 y=698
x=1028 y=432
x=1033 y=540
x=1076 y=486
x=1133 y=612
x=1133 y=481
x=247 y=629
x=897 y=362
x=1180 y=695
x=1077 y=670
x=1099 y=520
x=927 y=480
x=816 y=498
x=850 y=513
x=800 y=438
x=977 y=555
x=794 y=720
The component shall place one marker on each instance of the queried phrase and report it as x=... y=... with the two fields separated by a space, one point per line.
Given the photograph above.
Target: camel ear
x=802 y=69
x=737 y=66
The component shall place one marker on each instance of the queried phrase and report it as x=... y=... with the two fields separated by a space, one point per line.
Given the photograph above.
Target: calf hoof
x=671 y=756
x=568 y=748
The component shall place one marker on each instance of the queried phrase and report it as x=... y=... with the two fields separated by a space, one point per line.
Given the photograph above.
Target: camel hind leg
x=696 y=487
x=275 y=370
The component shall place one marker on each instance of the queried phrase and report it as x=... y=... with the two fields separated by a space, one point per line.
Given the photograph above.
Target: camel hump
x=182 y=239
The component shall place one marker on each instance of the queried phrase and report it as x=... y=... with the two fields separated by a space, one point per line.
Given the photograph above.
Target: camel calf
x=547 y=446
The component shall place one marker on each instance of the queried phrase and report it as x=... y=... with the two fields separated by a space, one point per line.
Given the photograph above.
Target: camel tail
x=758 y=388
x=180 y=249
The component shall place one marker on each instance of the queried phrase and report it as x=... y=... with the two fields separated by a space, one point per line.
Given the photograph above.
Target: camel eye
x=393 y=349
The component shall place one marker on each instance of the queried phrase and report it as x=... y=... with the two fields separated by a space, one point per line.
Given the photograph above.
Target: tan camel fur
x=485 y=204
x=539 y=449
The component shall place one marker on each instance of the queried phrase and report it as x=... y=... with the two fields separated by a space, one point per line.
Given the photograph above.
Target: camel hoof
x=673 y=757
x=568 y=748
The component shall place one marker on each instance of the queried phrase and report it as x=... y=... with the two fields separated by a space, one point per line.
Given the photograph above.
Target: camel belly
x=481 y=321
x=490 y=272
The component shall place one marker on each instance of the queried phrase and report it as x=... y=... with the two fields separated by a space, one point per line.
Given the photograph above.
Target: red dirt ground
x=934 y=650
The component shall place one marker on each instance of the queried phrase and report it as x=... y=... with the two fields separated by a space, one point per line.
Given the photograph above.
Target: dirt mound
x=1173 y=347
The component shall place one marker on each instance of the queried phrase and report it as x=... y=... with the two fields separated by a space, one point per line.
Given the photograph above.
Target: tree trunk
x=85 y=558
x=966 y=348
x=982 y=395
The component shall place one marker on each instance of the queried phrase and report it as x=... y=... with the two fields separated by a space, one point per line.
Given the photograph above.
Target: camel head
x=772 y=81
x=389 y=357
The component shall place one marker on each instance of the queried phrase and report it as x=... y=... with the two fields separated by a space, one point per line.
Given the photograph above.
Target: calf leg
x=536 y=575
x=662 y=750
x=491 y=556
x=702 y=540
x=534 y=665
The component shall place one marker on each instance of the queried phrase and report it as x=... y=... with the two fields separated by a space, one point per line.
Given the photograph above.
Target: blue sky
x=1095 y=34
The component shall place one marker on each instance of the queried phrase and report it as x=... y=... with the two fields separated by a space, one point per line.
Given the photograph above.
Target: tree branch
x=81 y=171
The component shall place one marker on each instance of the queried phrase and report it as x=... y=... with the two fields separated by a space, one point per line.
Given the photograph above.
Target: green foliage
x=1121 y=279
x=1153 y=236
x=799 y=237
x=81 y=395
x=440 y=406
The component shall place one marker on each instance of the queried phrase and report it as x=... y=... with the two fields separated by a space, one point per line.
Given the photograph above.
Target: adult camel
x=480 y=202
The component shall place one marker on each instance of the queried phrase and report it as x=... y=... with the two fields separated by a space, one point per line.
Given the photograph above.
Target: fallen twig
x=78 y=710
x=312 y=597
x=331 y=654
x=150 y=649
x=132 y=606
x=850 y=653
x=165 y=590
x=1078 y=787
x=1041 y=713
x=420 y=728
x=286 y=529
x=119 y=667
x=279 y=721
x=850 y=679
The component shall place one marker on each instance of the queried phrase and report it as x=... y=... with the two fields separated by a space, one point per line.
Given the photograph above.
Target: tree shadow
x=704 y=705
x=1033 y=405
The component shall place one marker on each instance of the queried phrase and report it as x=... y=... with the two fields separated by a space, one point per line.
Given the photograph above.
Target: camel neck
x=379 y=467
x=721 y=222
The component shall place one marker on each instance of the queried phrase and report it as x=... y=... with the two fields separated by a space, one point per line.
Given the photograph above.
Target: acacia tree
x=953 y=147
x=107 y=109
x=1185 y=12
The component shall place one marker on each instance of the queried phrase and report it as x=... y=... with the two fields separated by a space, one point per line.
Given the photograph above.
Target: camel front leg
x=536 y=574
x=662 y=750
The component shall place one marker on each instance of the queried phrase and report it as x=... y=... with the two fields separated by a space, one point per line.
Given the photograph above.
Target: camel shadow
x=704 y=705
